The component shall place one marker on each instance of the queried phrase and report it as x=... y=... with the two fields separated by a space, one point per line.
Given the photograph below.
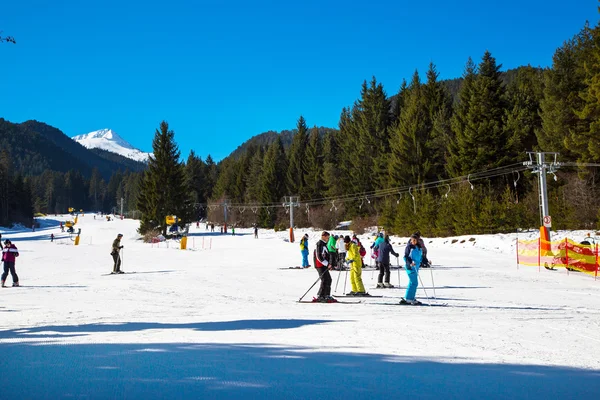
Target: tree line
x=419 y=135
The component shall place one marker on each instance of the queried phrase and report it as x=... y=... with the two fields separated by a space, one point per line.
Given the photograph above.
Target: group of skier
x=329 y=254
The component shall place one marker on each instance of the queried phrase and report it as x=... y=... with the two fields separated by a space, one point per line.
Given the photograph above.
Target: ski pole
x=346 y=279
x=313 y=285
x=432 y=282
x=398 y=264
x=422 y=286
x=338 y=280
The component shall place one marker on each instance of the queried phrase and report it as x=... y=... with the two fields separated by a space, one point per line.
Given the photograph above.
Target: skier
x=321 y=256
x=255 y=231
x=412 y=257
x=116 y=248
x=304 y=250
x=353 y=258
x=424 y=261
x=52 y=237
x=9 y=254
x=62 y=228
x=375 y=249
x=233 y=231
x=383 y=260
x=332 y=251
x=341 y=248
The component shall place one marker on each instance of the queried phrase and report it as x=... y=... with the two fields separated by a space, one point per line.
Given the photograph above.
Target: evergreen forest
x=444 y=157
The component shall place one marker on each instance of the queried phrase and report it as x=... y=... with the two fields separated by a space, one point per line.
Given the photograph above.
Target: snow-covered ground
x=221 y=320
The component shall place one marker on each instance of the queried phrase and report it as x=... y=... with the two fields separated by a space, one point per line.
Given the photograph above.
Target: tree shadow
x=260 y=371
x=249 y=324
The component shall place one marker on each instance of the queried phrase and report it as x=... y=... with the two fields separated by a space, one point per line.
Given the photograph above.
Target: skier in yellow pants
x=353 y=258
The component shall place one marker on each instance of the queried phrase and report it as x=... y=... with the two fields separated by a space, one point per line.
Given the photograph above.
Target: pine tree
x=295 y=173
x=585 y=142
x=254 y=175
x=272 y=181
x=563 y=84
x=481 y=140
x=409 y=164
x=313 y=165
x=459 y=118
x=164 y=190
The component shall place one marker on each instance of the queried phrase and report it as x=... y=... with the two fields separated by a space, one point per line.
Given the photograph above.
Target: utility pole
x=543 y=167
x=225 y=204
x=291 y=202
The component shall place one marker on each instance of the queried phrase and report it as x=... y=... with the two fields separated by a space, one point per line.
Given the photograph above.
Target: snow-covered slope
x=221 y=320
x=107 y=139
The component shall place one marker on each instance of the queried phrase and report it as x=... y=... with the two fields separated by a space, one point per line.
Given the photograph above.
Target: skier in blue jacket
x=413 y=255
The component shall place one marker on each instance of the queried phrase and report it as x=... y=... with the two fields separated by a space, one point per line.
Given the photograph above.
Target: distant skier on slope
x=383 y=260
x=412 y=257
x=304 y=250
x=353 y=258
x=115 y=253
x=9 y=254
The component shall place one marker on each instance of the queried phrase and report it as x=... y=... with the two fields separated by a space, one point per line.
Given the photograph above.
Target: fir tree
x=164 y=190
x=409 y=163
x=272 y=181
x=313 y=165
x=481 y=139
x=295 y=172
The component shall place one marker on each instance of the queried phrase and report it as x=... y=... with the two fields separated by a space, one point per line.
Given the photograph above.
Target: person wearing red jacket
x=9 y=254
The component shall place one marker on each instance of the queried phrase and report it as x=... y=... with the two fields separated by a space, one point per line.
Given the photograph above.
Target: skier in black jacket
x=322 y=265
x=383 y=258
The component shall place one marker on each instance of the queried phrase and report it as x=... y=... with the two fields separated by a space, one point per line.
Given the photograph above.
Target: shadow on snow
x=256 y=371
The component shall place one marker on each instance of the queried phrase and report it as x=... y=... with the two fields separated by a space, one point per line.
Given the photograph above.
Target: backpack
x=362 y=250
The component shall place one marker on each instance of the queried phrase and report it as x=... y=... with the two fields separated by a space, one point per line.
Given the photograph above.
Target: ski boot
x=388 y=285
x=362 y=294
x=351 y=294
x=380 y=285
x=330 y=299
x=15 y=284
x=3 y=285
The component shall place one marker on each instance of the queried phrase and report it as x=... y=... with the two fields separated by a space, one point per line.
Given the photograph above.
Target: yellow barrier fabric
x=562 y=254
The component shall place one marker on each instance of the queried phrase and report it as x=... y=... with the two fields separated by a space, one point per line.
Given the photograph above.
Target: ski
x=294 y=268
x=336 y=302
x=355 y=297
x=123 y=273
x=414 y=305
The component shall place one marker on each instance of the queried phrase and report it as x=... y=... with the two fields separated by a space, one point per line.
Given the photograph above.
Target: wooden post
x=539 y=253
x=567 y=253
x=517 y=251
x=596 y=275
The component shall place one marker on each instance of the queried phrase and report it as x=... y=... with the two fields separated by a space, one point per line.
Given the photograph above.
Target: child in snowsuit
x=9 y=254
x=353 y=258
x=412 y=257
x=304 y=250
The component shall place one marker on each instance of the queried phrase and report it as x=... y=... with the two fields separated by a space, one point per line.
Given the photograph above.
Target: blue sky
x=221 y=72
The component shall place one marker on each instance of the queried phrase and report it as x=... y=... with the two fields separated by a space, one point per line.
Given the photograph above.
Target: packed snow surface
x=107 y=139
x=222 y=320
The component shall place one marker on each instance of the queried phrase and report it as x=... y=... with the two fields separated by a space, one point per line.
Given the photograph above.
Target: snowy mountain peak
x=109 y=140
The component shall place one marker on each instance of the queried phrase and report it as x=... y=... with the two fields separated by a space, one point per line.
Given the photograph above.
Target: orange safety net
x=561 y=254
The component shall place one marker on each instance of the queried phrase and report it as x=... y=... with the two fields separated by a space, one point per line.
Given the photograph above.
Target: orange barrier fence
x=559 y=254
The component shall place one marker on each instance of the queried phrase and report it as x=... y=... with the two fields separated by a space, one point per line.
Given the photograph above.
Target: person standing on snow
x=375 y=249
x=353 y=258
x=9 y=254
x=383 y=260
x=255 y=231
x=412 y=257
x=341 y=248
x=424 y=261
x=304 y=250
x=116 y=248
x=332 y=251
x=321 y=257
